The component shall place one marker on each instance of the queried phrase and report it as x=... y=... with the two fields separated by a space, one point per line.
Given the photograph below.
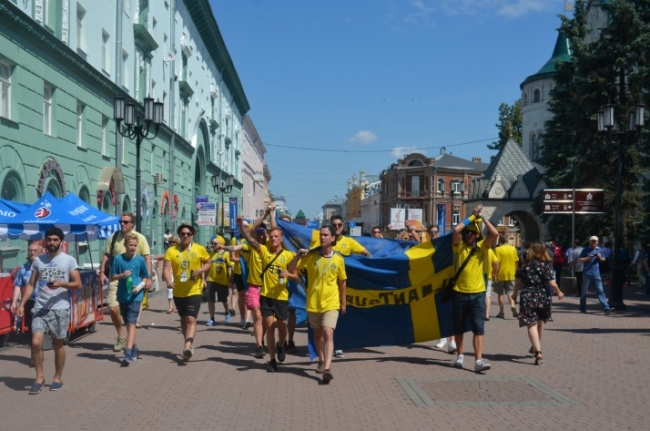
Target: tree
x=611 y=69
x=509 y=124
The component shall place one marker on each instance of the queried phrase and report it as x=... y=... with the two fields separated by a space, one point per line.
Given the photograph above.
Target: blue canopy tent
x=9 y=209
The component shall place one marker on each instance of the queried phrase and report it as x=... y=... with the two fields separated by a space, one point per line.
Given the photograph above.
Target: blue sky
x=342 y=85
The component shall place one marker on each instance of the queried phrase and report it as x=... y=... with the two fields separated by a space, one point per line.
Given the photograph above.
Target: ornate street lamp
x=607 y=125
x=134 y=128
x=222 y=188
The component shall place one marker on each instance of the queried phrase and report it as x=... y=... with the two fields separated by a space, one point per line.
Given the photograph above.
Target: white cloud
x=399 y=152
x=364 y=137
x=509 y=8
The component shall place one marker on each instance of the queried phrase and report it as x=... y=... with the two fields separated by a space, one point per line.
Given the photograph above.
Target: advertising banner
x=84 y=302
x=232 y=208
x=442 y=217
x=396 y=219
x=415 y=218
x=207 y=214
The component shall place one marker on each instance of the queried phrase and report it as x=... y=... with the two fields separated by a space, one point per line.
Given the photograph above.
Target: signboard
x=442 y=216
x=415 y=218
x=232 y=209
x=207 y=214
x=352 y=224
x=355 y=231
x=201 y=199
x=578 y=201
x=396 y=219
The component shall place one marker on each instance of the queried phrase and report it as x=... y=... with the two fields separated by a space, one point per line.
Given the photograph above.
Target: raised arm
x=456 y=234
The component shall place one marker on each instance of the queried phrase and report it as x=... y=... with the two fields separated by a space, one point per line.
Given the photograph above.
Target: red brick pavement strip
x=598 y=362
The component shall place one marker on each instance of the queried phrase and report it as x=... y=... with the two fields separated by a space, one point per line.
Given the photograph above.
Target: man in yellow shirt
x=184 y=267
x=505 y=284
x=491 y=268
x=217 y=279
x=238 y=280
x=468 y=297
x=325 y=294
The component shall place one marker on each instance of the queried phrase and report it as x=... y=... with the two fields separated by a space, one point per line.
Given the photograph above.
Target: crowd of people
x=482 y=264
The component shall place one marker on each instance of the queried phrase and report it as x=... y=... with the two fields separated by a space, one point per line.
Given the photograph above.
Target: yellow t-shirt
x=185 y=262
x=254 y=262
x=237 y=264
x=508 y=259
x=271 y=288
x=323 y=275
x=119 y=248
x=487 y=265
x=220 y=269
x=346 y=245
x=470 y=279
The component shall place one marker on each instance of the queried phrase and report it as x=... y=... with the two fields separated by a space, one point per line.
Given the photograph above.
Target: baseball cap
x=472 y=227
x=593 y=238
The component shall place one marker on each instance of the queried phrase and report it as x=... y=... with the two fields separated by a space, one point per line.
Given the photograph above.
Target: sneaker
x=608 y=310
x=452 y=347
x=339 y=354
x=120 y=344
x=248 y=324
x=232 y=312
x=291 y=347
x=281 y=353
x=442 y=343
x=459 y=362
x=259 y=352
x=500 y=315
x=227 y=318
x=514 y=312
x=135 y=352
x=320 y=367
x=481 y=366
x=210 y=322
x=272 y=367
x=242 y=323
x=127 y=358
x=187 y=354
x=327 y=376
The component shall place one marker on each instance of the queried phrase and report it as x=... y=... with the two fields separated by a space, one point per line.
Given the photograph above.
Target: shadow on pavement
x=245 y=365
x=173 y=357
x=14 y=358
x=95 y=347
x=18 y=384
x=101 y=357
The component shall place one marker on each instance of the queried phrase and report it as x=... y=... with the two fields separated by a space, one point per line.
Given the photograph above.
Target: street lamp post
x=222 y=188
x=606 y=124
x=135 y=129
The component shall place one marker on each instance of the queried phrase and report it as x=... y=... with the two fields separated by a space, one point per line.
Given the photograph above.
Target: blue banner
x=442 y=218
x=233 y=212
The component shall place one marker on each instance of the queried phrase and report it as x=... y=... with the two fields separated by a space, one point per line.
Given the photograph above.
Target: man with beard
x=55 y=273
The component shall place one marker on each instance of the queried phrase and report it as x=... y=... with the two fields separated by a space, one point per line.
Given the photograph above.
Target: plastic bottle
x=129 y=283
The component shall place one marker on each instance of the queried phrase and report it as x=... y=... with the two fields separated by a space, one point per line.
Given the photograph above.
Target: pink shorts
x=252 y=297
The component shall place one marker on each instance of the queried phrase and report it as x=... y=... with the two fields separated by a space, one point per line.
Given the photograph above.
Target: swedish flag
x=394 y=297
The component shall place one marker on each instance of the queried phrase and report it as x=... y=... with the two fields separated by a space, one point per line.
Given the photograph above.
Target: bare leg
x=459 y=343
x=117 y=320
x=257 y=326
x=59 y=358
x=130 y=335
x=190 y=330
x=478 y=346
x=37 y=355
x=318 y=343
x=241 y=301
x=488 y=302
x=211 y=310
x=328 y=346
x=501 y=303
x=282 y=331
x=534 y=337
x=270 y=335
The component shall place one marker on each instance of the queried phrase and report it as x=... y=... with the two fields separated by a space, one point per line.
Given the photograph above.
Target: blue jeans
x=597 y=282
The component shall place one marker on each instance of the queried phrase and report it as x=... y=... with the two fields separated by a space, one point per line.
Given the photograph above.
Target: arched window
x=126 y=204
x=415 y=163
x=415 y=186
x=525 y=99
x=537 y=96
x=84 y=194
x=12 y=188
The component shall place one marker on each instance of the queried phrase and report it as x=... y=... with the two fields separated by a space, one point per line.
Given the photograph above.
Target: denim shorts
x=130 y=312
x=468 y=311
x=51 y=322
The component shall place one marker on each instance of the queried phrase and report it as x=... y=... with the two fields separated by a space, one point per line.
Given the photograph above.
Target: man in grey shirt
x=55 y=273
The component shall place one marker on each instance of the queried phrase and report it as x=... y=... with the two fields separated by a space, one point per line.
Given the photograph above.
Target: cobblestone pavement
x=595 y=376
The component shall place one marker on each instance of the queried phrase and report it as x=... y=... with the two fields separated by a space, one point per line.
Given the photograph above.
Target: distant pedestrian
x=167 y=238
x=533 y=277
x=376 y=232
x=637 y=264
x=217 y=279
x=433 y=231
x=559 y=259
x=54 y=273
x=505 y=284
x=590 y=257
x=576 y=266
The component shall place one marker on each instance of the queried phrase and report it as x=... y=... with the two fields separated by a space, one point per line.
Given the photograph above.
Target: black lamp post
x=135 y=129
x=607 y=124
x=222 y=188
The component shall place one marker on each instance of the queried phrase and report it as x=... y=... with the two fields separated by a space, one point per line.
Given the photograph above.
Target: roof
x=509 y=163
x=449 y=161
x=300 y=214
x=561 y=53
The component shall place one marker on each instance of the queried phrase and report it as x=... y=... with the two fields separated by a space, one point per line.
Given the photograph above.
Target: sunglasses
x=465 y=232
x=376 y=231
x=337 y=224
x=215 y=243
x=125 y=221
x=434 y=232
x=185 y=234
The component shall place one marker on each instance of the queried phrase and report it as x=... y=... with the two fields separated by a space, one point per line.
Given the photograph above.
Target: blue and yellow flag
x=393 y=298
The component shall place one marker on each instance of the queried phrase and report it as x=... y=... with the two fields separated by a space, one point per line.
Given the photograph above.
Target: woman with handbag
x=532 y=278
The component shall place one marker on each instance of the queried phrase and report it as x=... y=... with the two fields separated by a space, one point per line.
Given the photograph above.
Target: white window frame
x=125 y=76
x=511 y=221
x=106 y=64
x=80 y=123
x=455 y=186
x=81 y=13
x=441 y=185
x=105 y=122
x=48 y=91
x=5 y=89
x=455 y=217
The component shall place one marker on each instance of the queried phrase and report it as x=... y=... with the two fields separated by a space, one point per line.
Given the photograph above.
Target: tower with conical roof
x=535 y=96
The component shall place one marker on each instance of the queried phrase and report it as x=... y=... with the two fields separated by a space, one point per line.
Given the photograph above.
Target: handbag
x=449 y=287
x=109 y=262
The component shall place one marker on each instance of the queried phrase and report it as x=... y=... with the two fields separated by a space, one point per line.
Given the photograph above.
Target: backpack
x=558 y=256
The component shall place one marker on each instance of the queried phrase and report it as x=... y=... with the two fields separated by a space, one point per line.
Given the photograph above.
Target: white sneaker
x=452 y=347
x=481 y=366
x=442 y=343
x=459 y=362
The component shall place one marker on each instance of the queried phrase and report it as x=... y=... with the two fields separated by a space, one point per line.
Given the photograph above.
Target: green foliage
x=509 y=124
x=614 y=68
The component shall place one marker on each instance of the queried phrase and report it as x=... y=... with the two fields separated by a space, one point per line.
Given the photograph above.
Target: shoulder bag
x=449 y=287
x=109 y=262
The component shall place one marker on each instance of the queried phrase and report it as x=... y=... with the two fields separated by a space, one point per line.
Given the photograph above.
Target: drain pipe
x=172 y=110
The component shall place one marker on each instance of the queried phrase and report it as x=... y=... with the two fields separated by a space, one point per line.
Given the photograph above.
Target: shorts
x=130 y=312
x=488 y=288
x=504 y=287
x=238 y=279
x=252 y=297
x=468 y=309
x=51 y=322
x=27 y=314
x=111 y=294
x=274 y=307
x=219 y=289
x=327 y=319
x=188 y=306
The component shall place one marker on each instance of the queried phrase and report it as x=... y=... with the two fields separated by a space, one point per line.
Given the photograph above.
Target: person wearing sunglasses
x=434 y=231
x=183 y=270
x=468 y=296
x=115 y=247
x=376 y=232
x=218 y=277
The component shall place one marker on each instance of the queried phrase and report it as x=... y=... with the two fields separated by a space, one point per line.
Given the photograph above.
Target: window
x=104 y=135
x=81 y=12
x=537 y=96
x=47 y=110
x=525 y=99
x=415 y=186
x=457 y=186
x=455 y=217
x=5 y=90
x=183 y=119
x=501 y=222
x=441 y=185
x=152 y=168
x=125 y=76
x=105 y=51
x=511 y=221
x=80 y=122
